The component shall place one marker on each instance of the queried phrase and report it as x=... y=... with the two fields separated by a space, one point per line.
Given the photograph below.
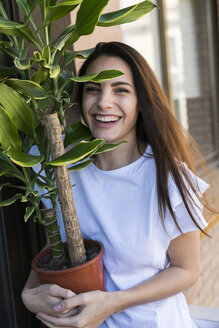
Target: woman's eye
x=91 y=89
x=122 y=90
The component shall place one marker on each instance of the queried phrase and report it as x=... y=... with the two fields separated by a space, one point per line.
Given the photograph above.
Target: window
x=178 y=38
x=143 y=35
x=190 y=71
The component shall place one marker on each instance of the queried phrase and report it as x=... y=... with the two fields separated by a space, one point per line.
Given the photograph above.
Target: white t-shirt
x=120 y=209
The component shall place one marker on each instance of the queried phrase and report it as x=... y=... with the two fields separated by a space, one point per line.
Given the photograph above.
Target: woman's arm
x=184 y=253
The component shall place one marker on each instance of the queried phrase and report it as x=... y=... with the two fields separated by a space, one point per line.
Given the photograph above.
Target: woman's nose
x=105 y=100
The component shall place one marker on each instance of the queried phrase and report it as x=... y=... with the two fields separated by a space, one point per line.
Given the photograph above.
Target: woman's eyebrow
x=114 y=84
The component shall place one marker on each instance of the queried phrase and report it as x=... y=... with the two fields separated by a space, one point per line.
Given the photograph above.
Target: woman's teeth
x=107 y=118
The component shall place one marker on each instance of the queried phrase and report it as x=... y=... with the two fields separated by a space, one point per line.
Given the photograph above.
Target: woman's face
x=110 y=107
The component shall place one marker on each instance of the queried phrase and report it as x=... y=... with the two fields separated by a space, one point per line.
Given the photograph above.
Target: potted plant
x=34 y=94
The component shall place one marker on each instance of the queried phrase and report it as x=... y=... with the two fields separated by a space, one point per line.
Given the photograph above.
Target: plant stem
x=50 y=221
x=72 y=228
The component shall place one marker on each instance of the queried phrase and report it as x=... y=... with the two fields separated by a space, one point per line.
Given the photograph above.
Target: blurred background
x=180 y=42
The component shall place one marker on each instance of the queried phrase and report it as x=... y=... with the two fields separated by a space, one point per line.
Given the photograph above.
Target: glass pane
x=143 y=35
x=189 y=69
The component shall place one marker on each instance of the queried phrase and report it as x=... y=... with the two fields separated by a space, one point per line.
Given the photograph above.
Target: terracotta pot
x=83 y=278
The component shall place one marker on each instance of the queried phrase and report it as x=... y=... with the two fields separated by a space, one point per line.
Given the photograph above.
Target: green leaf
x=7 y=49
x=46 y=54
x=98 y=77
x=80 y=166
x=7 y=165
x=77 y=132
x=23 y=64
x=2 y=185
x=71 y=55
x=28 y=212
x=9 y=136
x=54 y=70
x=23 y=159
x=86 y=20
x=27 y=144
x=78 y=153
x=3 y=172
x=17 y=108
x=28 y=88
x=41 y=184
x=24 y=6
x=10 y=201
x=107 y=147
x=37 y=56
x=9 y=27
x=24 y=198
x=2 y=11
x=33 y=4
x=126 y=15
x=40 y=75
x=58 y=11
x=6 y=72
x=63 y=37
x=8 y=184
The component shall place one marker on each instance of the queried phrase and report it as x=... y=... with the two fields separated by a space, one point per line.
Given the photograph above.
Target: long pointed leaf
x=9 y=27
x=23 y=64
x=78 y=153
x=3 y=172
x=76 y=132
x=86 y=20
x=24 y=6
x=18 y=110
x=58 y=11
x=9 y=136
x=10 y=201
x=63 y=37
x=7 y=49
x=107 y=147
x=28 y=212
x=98 y=77
x=28 y=88
x=23 y=159
x=126 y=15
x=80 y=166
x=6 y=72
x=71 y=55
x=8 y=166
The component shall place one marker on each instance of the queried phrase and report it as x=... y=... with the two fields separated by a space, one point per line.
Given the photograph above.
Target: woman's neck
x=123 y=155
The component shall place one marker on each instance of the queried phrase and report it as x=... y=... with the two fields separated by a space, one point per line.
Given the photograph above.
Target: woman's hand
x=44 y=297
x=94 y=307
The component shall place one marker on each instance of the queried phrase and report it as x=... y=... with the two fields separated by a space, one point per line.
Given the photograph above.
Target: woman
x=141 y=200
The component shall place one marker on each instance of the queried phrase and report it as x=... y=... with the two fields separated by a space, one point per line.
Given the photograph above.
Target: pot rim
x=78 y=267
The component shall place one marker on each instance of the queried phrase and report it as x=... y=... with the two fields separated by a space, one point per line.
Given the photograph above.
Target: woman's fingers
x=58 y=291
x=61 y=322
x=69 y=303
x=46 y=323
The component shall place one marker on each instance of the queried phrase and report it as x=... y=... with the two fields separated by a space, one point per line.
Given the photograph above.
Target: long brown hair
x=156 y=125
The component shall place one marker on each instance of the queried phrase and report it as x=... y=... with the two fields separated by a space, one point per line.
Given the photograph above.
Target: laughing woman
x=141 y=200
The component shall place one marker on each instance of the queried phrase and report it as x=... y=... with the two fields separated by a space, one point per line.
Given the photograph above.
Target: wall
x=206 y=291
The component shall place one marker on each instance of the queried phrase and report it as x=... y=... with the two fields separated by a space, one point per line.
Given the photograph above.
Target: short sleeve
x=184 y=220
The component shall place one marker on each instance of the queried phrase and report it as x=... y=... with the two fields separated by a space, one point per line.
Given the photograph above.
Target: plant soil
x=46 y=263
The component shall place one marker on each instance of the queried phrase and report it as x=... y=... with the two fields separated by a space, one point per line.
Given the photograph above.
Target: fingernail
x=57 y=307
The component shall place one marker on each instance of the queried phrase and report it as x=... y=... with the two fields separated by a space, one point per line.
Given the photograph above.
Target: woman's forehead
x=110 y=62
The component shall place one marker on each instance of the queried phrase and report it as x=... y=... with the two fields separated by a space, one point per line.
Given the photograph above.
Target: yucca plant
x=34 y=94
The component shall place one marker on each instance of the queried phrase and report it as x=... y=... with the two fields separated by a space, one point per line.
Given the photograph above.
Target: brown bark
x=66 y=199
